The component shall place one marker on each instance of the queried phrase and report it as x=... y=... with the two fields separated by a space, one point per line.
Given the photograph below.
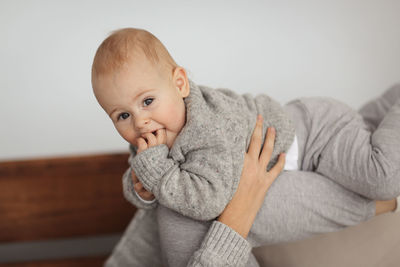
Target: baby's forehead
x=135 y=73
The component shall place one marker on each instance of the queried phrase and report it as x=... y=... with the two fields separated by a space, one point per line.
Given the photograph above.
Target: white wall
x=345 y=49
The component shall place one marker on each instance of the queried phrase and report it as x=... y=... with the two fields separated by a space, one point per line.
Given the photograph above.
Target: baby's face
x=139 y=99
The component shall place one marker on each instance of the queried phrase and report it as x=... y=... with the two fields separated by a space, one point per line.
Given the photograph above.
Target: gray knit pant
x=300 y=203
x=335 y=141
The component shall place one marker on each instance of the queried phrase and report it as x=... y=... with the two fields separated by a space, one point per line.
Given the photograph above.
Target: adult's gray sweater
x=198 y=176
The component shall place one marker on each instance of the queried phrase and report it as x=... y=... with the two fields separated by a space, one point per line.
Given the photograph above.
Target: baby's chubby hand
x=142 y=192
x=150 y=140
x=143 y=143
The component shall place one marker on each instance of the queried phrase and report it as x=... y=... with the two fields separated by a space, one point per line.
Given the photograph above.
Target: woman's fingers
x=268 y=146
x=256 y=139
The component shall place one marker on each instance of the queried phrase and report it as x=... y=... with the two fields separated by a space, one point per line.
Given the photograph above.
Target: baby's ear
x=181 y=81
x=184 y=91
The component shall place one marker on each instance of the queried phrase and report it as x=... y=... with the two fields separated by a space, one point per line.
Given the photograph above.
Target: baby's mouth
x=155 y=131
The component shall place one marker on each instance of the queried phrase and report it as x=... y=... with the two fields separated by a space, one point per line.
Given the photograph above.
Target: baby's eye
x=123 y=116
x=148 y=101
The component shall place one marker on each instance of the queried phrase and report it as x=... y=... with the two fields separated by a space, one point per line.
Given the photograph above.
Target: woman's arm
x=225 y=244
x=254 y=183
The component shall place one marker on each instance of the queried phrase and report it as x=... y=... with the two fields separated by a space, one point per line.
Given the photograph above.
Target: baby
x=187 y=141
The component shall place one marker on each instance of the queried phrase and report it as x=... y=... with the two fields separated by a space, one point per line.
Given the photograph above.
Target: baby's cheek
x=134 y=142
x=130 y=140
x=177 y=117
x=128 y=135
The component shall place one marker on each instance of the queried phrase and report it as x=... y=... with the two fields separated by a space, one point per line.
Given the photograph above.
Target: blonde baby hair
x=122 y=45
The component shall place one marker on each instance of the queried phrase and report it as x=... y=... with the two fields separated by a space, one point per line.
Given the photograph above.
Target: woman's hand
x=254 y=182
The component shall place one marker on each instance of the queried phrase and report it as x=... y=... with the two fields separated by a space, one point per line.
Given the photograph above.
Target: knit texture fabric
x=222 y=246
x=198 y=176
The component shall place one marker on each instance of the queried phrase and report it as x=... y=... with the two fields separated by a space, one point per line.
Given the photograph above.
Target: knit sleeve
x=198 y=187
x=222 y=246
x=129 y=191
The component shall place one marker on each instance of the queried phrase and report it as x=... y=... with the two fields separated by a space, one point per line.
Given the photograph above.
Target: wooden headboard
x=58 y=198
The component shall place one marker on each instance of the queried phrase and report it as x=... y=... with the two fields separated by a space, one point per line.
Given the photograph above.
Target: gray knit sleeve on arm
x=200 y=186
x=127 y=186
x=222 y=246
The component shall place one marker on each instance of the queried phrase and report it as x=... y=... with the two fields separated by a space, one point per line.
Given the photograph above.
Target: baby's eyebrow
x=143 y=92
x=112 y=111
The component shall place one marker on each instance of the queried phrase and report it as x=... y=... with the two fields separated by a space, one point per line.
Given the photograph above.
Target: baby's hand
x=150 y=140
x=143 y=193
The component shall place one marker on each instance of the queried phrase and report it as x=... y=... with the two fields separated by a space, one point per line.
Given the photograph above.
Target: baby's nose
x=141 y=122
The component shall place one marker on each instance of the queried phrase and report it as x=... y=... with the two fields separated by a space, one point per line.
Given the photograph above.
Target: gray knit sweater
x=198 y=176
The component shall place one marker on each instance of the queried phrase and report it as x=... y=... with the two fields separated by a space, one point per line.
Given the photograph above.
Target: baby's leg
x=298 y=205
x=375 y=110
x=301 y=204
x=335 y=141
x=140 y=244
x=373 y=113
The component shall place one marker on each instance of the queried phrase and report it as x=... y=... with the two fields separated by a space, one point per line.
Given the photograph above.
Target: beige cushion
x=373 y=243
